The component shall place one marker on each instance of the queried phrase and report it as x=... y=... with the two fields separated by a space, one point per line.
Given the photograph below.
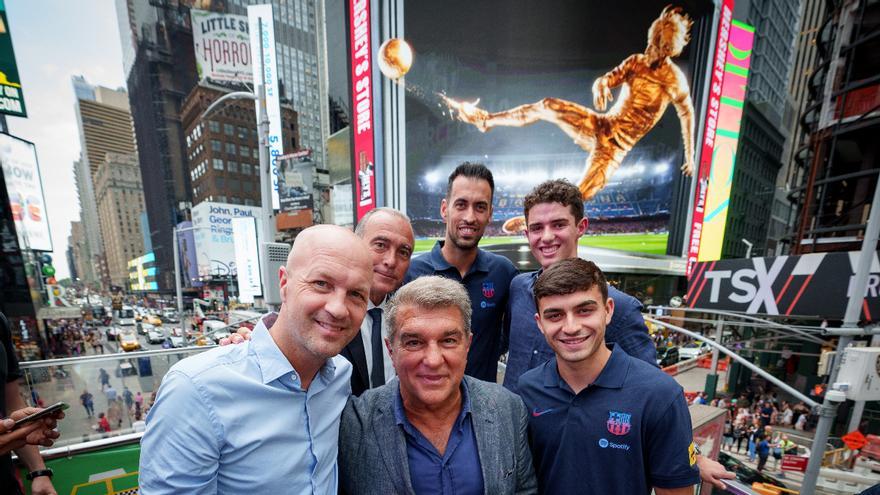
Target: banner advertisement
x=215 y=249
x=222 y=46
x=186 y=244
x=809 y=285
x=247 y=258
x=733 y=95
x=599 y=94
x=21 y=171
x=11 y=97
x=363 y=148
x=711 y=124
x=265 y=70
x=104 y=471
x=295 y=188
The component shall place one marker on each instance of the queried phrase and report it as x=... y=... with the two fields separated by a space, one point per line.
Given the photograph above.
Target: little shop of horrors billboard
x=604 y=94
x=816 y=284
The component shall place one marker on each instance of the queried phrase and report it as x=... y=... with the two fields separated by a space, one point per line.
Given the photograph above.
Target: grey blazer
x=372 y=447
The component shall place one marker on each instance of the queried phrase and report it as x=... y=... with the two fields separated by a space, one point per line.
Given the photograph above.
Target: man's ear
x=538 y=321
x=609 y=310
x=443 y=206
x=582 y=226
x=282 y=282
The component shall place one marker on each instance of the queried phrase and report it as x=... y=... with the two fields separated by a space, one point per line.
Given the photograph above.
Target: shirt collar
x=439 y=263
x=273 y=364
x=400 y=414
x=613 y=375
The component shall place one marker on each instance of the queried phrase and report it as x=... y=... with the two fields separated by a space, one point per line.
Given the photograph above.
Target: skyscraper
x=105 y=127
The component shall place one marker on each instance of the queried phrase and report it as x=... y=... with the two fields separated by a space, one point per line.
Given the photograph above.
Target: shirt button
x=535 y=351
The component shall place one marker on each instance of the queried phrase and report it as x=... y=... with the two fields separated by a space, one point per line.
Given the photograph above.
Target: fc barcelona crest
x=618 y=423
x=488 y=289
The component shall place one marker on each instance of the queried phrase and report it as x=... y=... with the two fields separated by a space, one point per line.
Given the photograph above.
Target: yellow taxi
x=128 y=341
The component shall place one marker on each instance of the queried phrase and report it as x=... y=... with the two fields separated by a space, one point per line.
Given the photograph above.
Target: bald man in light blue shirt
x=263 y=417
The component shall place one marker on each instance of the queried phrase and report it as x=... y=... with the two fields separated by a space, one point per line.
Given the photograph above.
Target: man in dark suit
x=389 y=235
x=433 y=427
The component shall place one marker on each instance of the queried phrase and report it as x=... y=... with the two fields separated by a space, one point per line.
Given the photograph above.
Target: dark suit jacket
x=356 y=355
x=372 y=447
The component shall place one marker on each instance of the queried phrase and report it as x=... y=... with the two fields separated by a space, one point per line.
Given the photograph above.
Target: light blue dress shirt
x=236 y=420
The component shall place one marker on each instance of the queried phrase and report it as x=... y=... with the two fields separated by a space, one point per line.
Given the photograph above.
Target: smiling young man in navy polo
x=601 y=421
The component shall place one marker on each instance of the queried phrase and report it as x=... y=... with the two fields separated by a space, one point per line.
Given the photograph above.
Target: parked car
x=667 y=356
x=693 y=349
x=746 y=474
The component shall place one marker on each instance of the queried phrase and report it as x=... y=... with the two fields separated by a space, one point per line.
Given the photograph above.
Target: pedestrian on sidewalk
x=88 y=402
x=763 y=449
x=754 y=431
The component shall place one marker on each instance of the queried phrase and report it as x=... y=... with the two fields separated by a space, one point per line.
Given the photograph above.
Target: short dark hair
x=473 y=171
x=556 y=191
x=569 y=276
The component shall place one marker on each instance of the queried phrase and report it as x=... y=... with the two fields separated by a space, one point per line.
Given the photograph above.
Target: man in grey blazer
x=432 y=428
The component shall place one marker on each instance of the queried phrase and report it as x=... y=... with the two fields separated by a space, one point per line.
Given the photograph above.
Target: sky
x=54 y=40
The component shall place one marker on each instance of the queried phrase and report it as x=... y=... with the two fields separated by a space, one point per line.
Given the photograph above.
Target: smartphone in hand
x=45 y=413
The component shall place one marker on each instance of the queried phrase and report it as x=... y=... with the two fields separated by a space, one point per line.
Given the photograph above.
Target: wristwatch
x=40 y=472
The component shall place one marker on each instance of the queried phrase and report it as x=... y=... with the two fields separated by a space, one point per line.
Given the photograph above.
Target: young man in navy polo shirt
x=601 y=421
x=467 y=210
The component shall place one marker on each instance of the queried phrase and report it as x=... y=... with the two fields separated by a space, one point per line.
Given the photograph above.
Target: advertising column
x=265 y=67
x=712 y=107
x=363 y=149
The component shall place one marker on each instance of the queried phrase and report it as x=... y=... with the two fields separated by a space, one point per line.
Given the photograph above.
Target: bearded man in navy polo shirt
x=467 y=210
x=600 y=420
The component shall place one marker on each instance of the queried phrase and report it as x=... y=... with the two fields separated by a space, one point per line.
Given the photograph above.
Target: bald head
x=327 y=239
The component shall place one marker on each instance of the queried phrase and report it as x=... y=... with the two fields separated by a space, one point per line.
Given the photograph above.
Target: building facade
x=223 y=150
x=120 y=198
x=836 y=176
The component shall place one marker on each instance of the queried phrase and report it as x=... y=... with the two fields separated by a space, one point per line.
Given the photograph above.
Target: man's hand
x=601 y=94
x=242 y=334
x=688 y=168
x=469 y=112
x=713 y=472
x=38 y=432
x=43 y=486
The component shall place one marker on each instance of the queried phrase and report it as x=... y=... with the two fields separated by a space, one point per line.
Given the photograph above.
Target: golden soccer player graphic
x=648 y=83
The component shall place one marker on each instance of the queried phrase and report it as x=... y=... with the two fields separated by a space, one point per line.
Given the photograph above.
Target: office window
x=232 y=166
x=229 y=129
x=220 y=182
x=245 y=150
x=215 y=145
x=256 y=152
x=218 y=164
x=242 y=132
x=214 y=126
x=246 y=168
x=230 y=148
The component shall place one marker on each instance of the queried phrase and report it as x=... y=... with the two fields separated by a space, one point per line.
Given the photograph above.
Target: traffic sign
x=854 y=440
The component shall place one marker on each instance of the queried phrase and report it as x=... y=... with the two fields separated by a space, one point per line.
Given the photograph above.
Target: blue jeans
x=752 y=450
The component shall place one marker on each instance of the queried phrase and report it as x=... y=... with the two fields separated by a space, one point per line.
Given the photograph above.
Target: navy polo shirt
x=627 y=432
x=528 y=348
x=488 y=284
x=458 y=469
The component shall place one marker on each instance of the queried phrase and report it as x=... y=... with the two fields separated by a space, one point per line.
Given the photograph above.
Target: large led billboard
x=142 y=273
x=600 y=93
x=21 y=171
x=733 y=95
x=222 y=46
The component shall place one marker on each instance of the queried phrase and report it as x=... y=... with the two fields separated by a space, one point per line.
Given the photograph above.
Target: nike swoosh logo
x=536 y=412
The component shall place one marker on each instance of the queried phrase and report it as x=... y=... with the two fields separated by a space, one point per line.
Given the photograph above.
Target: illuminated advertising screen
x=21 y=171
x=599 y=93
x=733 y=95
x=142 y=273
x=362 y=108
